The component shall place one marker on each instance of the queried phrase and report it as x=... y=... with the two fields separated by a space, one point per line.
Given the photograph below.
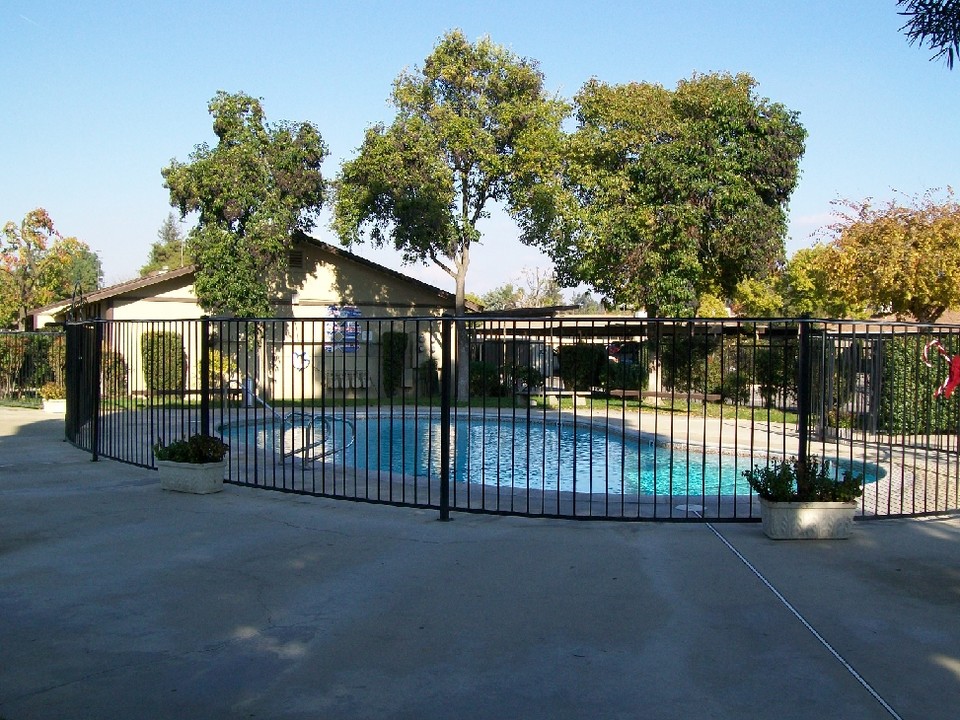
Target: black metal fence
x=31 y=366
x=624 y=418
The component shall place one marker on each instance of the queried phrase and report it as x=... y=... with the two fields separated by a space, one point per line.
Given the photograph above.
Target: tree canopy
x=671 y=194
x=801 y=287
x=936 y=23
x=39 y=266
x=168 y=251
x=901 y=258
x=474 y=127
x=259 y=185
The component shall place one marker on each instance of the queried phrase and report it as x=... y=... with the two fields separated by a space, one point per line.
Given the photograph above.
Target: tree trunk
x=462 y=358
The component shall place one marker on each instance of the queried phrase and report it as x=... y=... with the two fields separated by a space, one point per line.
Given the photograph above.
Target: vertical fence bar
x=803 y=394
x=95 y=376
x=445 y=379
x=205 y=375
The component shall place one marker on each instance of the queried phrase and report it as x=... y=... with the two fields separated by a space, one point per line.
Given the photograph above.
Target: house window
x=295 y=259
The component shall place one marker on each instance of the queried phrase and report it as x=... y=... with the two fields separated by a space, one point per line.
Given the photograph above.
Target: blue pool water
x=540 y=455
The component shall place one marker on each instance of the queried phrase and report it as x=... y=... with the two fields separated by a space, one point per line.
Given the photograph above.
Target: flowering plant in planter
x=197 y=449
x=791 y=481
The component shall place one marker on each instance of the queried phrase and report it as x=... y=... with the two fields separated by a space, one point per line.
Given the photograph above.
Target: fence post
x=205 y=375
x=804 y=382
x=445 y=378
x=96 y=375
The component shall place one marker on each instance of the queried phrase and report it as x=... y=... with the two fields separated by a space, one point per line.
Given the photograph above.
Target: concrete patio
x=119 y=600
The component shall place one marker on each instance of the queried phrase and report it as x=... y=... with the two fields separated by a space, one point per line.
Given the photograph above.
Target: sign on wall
x=343 y=334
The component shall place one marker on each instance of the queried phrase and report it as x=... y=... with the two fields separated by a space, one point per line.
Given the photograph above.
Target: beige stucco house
x=326 y=335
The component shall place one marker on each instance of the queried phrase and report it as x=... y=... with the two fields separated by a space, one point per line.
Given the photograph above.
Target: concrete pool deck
x=119 y=600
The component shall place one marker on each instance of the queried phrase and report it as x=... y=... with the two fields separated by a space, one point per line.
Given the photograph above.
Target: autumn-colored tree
x=38 y=266
x=799 y=288
x=897 y=258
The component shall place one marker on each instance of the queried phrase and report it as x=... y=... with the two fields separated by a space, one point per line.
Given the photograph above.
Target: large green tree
x=168 y=251
x=672 y=194
x=252 y=191
x=39 y=266
x=936 y=23
x=901 y=258
x=474 y=127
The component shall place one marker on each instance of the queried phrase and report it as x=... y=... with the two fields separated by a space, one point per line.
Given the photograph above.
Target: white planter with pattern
x=198 y=478
x=807 y=520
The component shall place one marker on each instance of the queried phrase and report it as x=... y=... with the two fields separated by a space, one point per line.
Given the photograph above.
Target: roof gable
x=186 y=274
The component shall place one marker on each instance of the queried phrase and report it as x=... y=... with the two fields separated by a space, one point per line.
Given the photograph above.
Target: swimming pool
x=548 y=455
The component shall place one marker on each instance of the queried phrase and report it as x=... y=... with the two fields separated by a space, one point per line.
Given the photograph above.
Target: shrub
x=394 y=348
x=683 y=361
x=625 y=376
x=788 y=481
x=907 y=405
x=776 y=367
x=485 y=380
x=113 y=373
x=197 y=449
x=12 y=353
x=164 y=360
x=57 y=357
x=707 y=364
x=523 y=377
x=53 y=391
x=428 y=379
x=222 y=368
x=581 y=365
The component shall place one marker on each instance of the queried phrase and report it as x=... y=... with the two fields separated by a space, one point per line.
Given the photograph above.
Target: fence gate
x=83 y=385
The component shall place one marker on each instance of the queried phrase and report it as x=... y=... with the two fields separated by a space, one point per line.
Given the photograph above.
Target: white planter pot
x=56 y=406
x=199 y=478
x=807 y=520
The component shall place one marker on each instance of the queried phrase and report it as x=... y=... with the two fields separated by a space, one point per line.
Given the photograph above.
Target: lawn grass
x=597 y=403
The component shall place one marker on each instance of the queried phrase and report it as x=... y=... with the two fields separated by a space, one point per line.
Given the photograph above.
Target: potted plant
x=54 y=396
x=805 y=500
x=195 y=464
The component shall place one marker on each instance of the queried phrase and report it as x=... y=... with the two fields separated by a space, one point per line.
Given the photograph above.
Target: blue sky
x=99 y=96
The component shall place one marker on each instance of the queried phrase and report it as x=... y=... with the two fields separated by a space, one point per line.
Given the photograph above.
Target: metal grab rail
x=308 y=422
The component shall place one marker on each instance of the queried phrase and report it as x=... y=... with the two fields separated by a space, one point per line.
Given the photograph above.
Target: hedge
x=164 y=361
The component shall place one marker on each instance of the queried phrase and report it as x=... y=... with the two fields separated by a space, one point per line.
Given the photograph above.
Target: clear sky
x=98 y=96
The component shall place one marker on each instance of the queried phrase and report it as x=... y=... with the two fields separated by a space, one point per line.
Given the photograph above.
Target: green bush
x=12 y=354
x=222 y=368
x=428 y=378
x=485 y=380
x=684 y=360
x=789 y=482
x=582 y=365
x=711 y=364
x=164 y=361
x=113 y=373
x=523 y=377
x=197 y=449
x=907 y=405
x=625 y=376
x=393 y=346
x=777 y=366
